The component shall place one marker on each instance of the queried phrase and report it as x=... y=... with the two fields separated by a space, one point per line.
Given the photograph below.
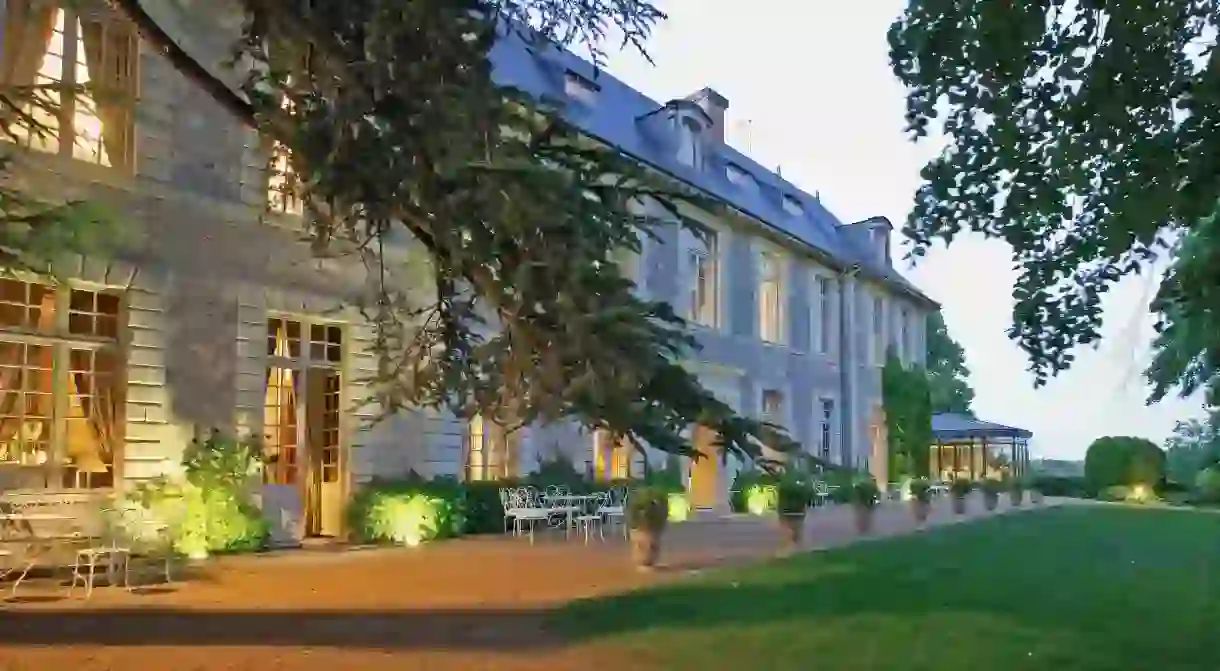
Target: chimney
x=714 y=105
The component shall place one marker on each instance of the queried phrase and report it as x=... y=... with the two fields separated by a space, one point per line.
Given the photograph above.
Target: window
x=880 y=242
x=283 y=184
x=302 y=410
x=701 y=268
x=772 y=406
x=793 y=206
x=878 y=331
x=826 y=427
x=905 y=352
x=88 y=62
x=770 y=298
x=739 y=176
x=62 y=387
x=490 y=450
x=580 y=88
x=688 y=141
x=822 y=323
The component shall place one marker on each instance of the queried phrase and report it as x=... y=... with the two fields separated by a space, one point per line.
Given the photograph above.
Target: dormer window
x=689 y=141
x=881 y=242
x=739 y=177
x=579 y=88
x=793 y=206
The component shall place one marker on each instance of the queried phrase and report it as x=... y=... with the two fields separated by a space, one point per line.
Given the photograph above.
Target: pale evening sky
x=812 y=79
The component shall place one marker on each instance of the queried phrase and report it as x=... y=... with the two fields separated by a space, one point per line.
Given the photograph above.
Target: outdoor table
x=571 y=500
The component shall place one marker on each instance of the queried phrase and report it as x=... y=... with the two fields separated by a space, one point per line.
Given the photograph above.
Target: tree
x=947 y=372
x=1085 y=135
x=392 y=119
x=1193 y=446
x=1123 y=461
x=908 y=417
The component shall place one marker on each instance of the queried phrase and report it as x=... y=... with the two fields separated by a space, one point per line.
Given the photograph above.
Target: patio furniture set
x=556 y=506
x=43 y=534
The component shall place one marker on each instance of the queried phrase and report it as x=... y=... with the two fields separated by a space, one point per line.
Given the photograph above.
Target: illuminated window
x=770 y=298
x=66 y=50
x=283 y=184
x=491 y=452
x=62 y=386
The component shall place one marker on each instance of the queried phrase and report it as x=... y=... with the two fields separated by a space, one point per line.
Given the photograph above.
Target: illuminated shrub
x=407 y=513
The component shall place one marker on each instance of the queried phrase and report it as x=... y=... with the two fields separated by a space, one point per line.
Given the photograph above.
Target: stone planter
x=864 y=518
x=792 y=526
x=920 y=510
x=990 y=501
x=645 y=547
x=1036 y=497
x=1016 y=497
x=959 y=505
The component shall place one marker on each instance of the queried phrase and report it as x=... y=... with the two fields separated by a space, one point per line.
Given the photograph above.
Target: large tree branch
x=155 y=35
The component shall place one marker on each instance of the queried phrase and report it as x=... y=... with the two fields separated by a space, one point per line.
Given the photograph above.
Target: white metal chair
x=591 y=516
x=614 y=507
x=524 y=506
x=110 y=552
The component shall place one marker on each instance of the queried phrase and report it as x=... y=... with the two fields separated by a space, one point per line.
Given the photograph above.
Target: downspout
x=848 y=371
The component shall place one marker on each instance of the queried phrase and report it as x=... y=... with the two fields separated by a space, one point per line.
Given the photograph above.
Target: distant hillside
x=1058 y=467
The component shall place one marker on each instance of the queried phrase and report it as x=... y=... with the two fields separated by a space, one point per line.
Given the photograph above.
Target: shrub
x=920 y=489
x=408 y=512
x=960 y=487
x=793 y=497
x=864 y=493
x=992 y=487
x=753 y=492
x=1062 y=486
x=1207 y=486
x=1123 y=460
x=648 y=507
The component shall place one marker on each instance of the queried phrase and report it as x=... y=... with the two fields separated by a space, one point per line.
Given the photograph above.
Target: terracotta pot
x=990 y=501
x=920 y=509
x=1016 y=497
x=864 y=518
x=792 y=526
x=959 y=505
x=645 y=547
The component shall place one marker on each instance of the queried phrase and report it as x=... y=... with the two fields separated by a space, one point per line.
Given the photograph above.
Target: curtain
x=94 y=392
x=10 y=397
x=107 y=49
x=28 y=25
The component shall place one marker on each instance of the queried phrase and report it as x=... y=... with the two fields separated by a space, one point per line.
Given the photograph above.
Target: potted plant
x=864 y=496
x=793 y=498
x=647 y=513
x=991 y=493
x=959 y=489
x=1016 y=491
x=920 y=491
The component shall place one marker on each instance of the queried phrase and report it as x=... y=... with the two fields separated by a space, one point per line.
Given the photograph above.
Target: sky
x=810 y=91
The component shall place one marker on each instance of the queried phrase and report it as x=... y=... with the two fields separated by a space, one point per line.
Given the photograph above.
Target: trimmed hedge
x=1069 y=486
x=1115 y=461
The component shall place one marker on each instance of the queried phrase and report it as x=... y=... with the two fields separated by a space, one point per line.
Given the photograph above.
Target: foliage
x=558 y=470
x=864 y=493
x=408 y=512
x=960 y=487
x=793 y=496
x=992 y=487
x=1207 y=486
x=1085 y=141
x=948 y=377
x=920 y=489
x=669 y=477
x=1123 y=460
x=1016 y=485
x=1061 y=486
x=648 y=508
x=1193 y=446
x=516 y=212
x=753 y=491
x=210 y=510
x=908 y=417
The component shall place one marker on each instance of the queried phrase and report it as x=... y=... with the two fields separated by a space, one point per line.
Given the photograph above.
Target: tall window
x=772 y=406
x=688 y=141
x=826 y=427
x=302 y=410
x=878 y=331
x=822 y=323
x=62 y=388
x=905 y=352
x=283 y=184
x=701 y=268
x=87 y=61
x=490 y=450
x=770 y=296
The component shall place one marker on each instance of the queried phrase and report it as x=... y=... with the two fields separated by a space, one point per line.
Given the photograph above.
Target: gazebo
x=970 y=448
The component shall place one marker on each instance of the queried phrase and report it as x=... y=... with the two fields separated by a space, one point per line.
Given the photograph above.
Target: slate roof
x=949 y=426
x=621 y=118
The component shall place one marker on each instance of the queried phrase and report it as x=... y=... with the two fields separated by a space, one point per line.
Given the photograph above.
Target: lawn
x=1077 y=588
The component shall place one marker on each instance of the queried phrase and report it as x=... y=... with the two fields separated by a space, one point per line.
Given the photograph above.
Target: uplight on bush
x=679 y=507
x=761 y=499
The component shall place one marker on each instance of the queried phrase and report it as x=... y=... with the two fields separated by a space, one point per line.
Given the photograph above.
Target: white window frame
x=696 y=251
x=779 y=334
x=826 y=439
x=822 y=314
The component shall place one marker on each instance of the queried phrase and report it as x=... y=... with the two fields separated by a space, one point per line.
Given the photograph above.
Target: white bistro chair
x=525 y=507
x=614 y=507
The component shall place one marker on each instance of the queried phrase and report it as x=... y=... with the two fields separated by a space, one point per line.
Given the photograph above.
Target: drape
x=27 y=33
